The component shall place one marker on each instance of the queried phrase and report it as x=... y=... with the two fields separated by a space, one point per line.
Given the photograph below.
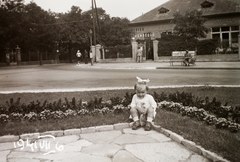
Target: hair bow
x=142 y=81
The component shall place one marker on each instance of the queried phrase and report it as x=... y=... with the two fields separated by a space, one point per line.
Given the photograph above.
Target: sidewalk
x=111 y=143
x=164 y=65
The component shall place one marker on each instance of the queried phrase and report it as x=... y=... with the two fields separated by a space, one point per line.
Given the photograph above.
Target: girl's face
x=141 y=91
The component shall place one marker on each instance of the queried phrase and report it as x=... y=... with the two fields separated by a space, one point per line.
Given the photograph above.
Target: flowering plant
x=32 y=116
x=16 y=116
x=200 y=114
x=4 y=118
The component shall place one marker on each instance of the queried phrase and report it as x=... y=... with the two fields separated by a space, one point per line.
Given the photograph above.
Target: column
x=98 y=54
x=103 y=53
x=145 y=51
x=18 y=55
x=239 y=47
x=134 y=50
x=94 y=53
x=155 y=50
x=7 y=56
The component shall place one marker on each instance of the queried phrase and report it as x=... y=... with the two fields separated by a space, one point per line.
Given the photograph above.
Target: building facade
x=222 y=17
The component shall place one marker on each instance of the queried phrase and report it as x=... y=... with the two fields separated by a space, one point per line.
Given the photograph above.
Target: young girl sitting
x=143 y=106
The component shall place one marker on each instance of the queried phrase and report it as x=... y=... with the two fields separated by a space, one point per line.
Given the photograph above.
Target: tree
x=116 y=32
x=191 y=24
x=74 y=30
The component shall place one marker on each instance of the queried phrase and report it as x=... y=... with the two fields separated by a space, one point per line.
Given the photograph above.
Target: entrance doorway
x=149 y=49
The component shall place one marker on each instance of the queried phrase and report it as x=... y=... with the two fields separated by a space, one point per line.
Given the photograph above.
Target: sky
x=130 y=9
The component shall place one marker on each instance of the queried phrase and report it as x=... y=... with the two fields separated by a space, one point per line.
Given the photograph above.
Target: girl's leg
x=150 y=114
x=134 y=113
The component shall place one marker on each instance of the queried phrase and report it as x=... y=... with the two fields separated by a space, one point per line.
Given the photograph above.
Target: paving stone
x=106 y=150
x=7 y=146
x=23 y=160
x=70 y=149
x=30 y=136
x=47 y=146
x=81 y=142
x=131 y=139
x=3 y=155
x=159 y=137
x=28 y=155
x=8 y=138
x=121 y=126
x=139 y=131
x=123 y=155
x=72 y=132
x=104 y=128
x=197 y=158
x=75 y=157
x=162 y=152
x=88 y=130
x=176 y=137
x=57 y=133
x=67 y=139
x=102 y=137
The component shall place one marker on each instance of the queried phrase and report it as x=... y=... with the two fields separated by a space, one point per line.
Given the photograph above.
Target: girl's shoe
x=148 y=126
x=136 y=125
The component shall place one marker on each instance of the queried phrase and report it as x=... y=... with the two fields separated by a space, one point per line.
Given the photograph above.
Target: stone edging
x=192 y=146
x=175 y=137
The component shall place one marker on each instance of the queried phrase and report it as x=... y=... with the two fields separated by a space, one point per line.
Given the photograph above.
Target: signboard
x=182 y=53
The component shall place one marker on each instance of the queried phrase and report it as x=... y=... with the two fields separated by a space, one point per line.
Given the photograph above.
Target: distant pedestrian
x=187 y=58
x=139 y=54
x=85 y=56
x=91 y=56
x=78 y=54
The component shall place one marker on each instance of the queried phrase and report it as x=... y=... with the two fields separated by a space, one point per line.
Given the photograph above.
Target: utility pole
x=94 y=22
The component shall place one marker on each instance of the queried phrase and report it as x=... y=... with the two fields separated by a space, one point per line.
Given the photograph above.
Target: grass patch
x=219 y=141
x=18 y=128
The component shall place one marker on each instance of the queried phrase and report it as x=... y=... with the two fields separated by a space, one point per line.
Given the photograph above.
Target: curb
x=201 y=68
x=174 y=136
x=156 y=67
x=192 y=146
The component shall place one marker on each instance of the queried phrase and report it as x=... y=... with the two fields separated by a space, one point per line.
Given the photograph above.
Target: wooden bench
x=178 y=56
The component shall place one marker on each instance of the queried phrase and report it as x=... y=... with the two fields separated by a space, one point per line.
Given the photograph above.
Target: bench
x=178 y=56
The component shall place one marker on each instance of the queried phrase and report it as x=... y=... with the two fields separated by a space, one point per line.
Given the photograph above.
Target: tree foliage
x=34 y=29
x=191 y=24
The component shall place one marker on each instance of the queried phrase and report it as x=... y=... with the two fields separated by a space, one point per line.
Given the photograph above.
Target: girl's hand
x=142 y=110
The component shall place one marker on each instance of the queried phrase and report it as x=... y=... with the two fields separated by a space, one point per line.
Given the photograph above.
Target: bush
x=119 y=51
x=206 y=47
x=169 y=43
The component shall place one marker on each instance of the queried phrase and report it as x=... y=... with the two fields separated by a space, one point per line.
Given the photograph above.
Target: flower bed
x=200 y=114
x=213 y=113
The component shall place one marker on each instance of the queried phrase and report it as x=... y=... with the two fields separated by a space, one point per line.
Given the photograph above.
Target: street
x=69 y=76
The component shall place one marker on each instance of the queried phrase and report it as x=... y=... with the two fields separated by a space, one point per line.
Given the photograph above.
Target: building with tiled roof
x=222 y=17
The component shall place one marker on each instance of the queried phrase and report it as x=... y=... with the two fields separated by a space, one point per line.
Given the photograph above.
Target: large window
x=235 y=37
x=228 y=35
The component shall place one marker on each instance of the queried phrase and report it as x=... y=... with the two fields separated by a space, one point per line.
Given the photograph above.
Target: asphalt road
x=70 y=76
